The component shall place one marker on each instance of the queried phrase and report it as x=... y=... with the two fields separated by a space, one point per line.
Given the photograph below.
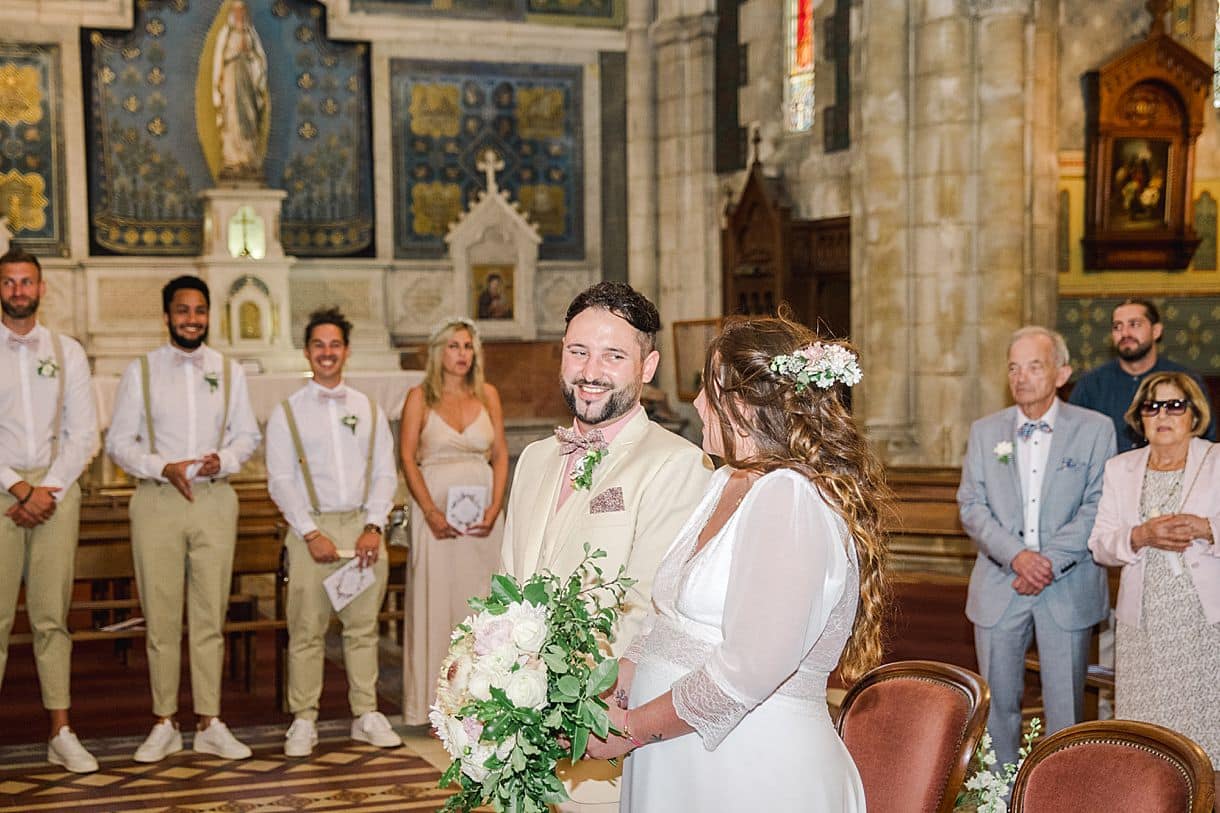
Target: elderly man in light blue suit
x=1030 y=486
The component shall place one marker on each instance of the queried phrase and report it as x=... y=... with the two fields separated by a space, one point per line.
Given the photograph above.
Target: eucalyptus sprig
x=525 y=744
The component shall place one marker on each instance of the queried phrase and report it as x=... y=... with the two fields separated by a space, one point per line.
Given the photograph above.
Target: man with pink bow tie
x=47 y=437
x=614 y=480
x=182 y=426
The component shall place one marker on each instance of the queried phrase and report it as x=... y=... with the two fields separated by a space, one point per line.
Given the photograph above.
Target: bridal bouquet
x=986 y=791
x=521 y=687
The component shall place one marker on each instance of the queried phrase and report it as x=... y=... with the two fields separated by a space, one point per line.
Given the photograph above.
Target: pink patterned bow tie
x=337 y=394
x=193 y=359
x=17 y=341
x=570 y=440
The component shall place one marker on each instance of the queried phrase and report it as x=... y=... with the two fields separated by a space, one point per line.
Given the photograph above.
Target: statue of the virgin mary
x=240 y=95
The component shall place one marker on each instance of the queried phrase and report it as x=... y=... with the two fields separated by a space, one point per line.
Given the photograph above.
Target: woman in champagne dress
x=776 y=578
x=452 y=437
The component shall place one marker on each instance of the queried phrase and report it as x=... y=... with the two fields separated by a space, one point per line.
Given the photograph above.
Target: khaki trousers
x=46 y=557
x=309 y=614
x=179 y=545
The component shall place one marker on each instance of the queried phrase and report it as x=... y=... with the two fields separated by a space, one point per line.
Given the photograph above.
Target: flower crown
x=453 y=321
x=820 y=364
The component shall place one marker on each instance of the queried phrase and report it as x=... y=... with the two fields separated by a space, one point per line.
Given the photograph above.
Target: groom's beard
x=184 y=342
x=620 y=402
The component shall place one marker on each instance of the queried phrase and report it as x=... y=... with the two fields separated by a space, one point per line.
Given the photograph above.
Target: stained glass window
x=798 y=94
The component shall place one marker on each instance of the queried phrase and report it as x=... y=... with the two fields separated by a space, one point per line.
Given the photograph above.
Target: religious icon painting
x=492 y=288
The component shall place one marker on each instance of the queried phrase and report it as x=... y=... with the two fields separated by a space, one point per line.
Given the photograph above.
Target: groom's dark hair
x=624 y=302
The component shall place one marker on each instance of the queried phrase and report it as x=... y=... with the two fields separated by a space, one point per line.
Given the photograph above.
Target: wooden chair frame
x=969 y=683
x=1183 y=752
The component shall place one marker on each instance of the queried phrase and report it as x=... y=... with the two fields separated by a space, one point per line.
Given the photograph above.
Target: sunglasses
x=1174 y=406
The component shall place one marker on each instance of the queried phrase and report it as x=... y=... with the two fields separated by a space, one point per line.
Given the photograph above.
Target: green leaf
x=569 y=687
x=535 y=593
x=580 y=741
x=602 y=677
x=601 y=723
x=557 y=663
x=450 y=775
x=505 y=589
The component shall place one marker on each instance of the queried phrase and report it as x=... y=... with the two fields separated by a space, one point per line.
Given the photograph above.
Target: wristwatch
x=373 y=529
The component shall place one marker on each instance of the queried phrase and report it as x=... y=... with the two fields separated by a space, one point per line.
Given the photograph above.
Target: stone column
x=882 y=279
x=687 y=223
x=641 y=152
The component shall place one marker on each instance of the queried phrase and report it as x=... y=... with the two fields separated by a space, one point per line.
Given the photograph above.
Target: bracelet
x=631 y=738
x=27 y=496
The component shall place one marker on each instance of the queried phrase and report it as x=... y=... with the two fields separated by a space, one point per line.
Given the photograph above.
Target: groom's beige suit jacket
x=645 y=488
x=643 y=491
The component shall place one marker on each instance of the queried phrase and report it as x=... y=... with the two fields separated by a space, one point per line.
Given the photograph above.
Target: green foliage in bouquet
x=504 y=727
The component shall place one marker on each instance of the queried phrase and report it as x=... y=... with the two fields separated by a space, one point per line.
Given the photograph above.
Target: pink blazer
x=1118 y=513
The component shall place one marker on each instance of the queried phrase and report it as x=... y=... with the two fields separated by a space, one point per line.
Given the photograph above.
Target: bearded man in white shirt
x=182 y=426
x=47 y=438
x=334 y=483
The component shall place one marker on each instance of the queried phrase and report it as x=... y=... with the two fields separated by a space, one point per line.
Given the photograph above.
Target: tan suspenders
x=304 y=461
x=57 y=348
x=226 y=377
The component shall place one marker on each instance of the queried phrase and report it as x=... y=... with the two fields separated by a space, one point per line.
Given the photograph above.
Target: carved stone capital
x=999 y=8
x=673 y=30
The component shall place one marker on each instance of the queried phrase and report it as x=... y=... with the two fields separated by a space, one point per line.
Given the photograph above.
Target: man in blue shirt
x=1110 y=388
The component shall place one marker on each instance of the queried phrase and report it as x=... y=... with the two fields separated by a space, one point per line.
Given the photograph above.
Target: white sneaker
x=163 y=740
x=218 y=741
x=302 y=736
x=372 y=727
x=65 y=749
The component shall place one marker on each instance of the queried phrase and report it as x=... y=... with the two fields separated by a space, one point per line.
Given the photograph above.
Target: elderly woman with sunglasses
x=1159 y=519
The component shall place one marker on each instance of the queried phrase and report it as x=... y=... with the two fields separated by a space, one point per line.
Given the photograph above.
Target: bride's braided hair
x=811 y=432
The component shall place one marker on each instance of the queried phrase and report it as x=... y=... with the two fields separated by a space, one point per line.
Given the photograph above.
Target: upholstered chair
x=1109 y=765
x=911 y=728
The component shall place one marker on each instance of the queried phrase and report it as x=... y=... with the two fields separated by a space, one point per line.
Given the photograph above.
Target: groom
x=1030 y=486
x=615 y=480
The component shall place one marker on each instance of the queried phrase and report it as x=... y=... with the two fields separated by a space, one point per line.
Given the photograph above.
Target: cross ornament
x=490 y=164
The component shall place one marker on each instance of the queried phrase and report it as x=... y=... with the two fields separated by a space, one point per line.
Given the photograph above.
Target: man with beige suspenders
x=47 y=437
x=334 y=483
x=182 y=426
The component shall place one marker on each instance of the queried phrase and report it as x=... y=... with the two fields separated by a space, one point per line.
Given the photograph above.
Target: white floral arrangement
x=986 y=791
x=47 y=368
x=521 y=686
x=1003 y=451
x=820 y=365
x=582 y=470
x=350 y=422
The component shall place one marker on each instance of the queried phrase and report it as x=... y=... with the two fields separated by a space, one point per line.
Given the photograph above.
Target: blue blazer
x=992 y=510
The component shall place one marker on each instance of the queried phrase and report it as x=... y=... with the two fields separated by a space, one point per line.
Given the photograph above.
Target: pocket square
x=608 y=501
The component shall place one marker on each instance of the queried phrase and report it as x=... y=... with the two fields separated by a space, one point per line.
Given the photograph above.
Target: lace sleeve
x=706 y=708
x=789 y=568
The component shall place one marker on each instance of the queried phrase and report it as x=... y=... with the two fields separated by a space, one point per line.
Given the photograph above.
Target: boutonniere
x=1003 y=451
x=212 y=381
x=350 y=422
x=582 y=472
x=47 y=368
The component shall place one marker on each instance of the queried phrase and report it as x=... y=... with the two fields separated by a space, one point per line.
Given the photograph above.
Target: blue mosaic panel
x=495 y=9
x=447 y=114
x=148 y=163
x=1190 y=337
x=31 y=147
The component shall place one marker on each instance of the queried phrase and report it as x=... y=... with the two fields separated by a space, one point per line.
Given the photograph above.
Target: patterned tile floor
x=341 y=775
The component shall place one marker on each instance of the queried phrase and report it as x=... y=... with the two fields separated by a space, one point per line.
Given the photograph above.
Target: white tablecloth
x=388 y=389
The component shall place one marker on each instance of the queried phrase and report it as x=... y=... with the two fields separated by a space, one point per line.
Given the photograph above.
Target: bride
x=777 y=577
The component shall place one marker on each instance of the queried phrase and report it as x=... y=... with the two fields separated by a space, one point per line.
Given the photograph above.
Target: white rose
x=500 y=661
x=480 y=684
x=526 y=688
x=529 y=626
x=491 y=632
x=472 y=763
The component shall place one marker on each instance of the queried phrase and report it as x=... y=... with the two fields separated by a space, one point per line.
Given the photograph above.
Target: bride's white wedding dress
x=746 y=632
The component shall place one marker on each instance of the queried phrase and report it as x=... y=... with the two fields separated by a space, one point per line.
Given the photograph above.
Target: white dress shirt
x=187 y=405
x=337 y=456
x=1032 y=455
x=27 y=410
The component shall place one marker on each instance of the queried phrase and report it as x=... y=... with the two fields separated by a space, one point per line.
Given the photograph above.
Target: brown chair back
x=911 y=728
x=1109 y=765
